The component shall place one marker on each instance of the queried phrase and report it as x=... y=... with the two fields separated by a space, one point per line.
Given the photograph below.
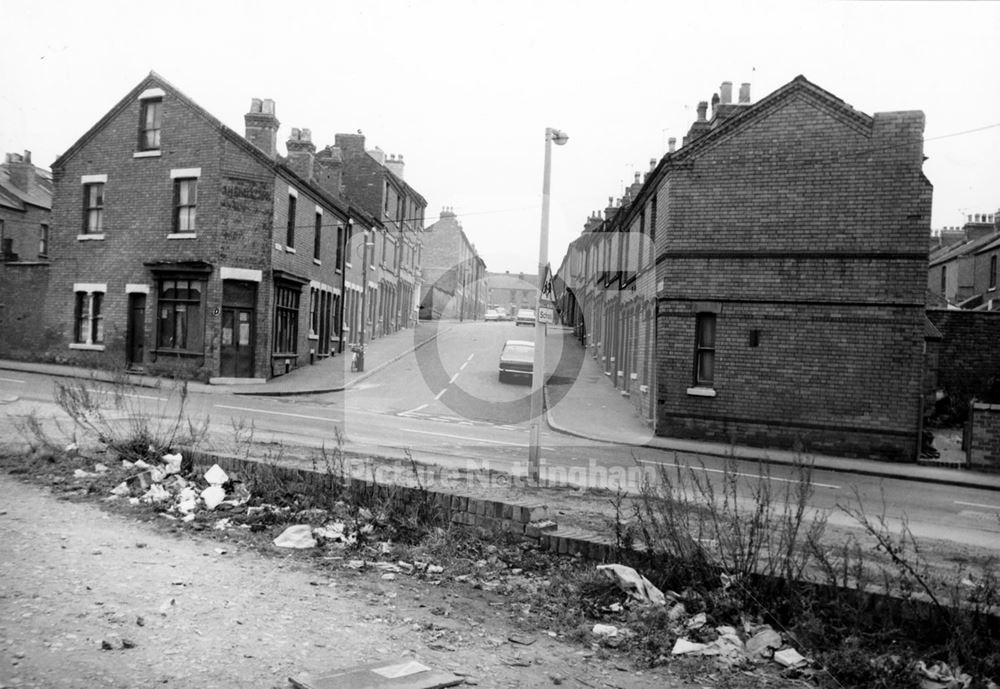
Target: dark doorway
x=135 y=347
x=238 y=329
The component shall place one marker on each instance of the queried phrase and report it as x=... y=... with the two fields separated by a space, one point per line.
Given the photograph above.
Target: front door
x=237 y=342
x=136 y=329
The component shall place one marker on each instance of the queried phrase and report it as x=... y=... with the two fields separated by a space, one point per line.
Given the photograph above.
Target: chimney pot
x=671 y=144
x=267 y=106
x=745 y=92
x=702 y=109
x=726 y=92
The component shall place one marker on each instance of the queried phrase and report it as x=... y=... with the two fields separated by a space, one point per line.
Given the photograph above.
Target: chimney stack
x=262 y=126
x=395 y=165
x=726 y=92
x=745 y=93
x=671 y=144
x=301 y=153
x=20 y=170
x=702 y=110
x=329 y=170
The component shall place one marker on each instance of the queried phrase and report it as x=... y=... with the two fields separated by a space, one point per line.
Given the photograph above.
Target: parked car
x=525 y=316
x=492 y=315
x=517 y=360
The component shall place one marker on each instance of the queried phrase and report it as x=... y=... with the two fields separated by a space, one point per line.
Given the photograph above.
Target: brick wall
x=969 y=355
x=805 y=232
x=22 y=298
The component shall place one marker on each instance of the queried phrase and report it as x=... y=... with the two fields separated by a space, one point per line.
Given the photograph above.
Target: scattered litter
x=676 y=612
x=605 y=630
x=213 y=496
x=434 y=569
x=216 y=476
x=763 y=643
x=80 y=473
x=789 y=657
x=940 y=675
x=127 y=464
x=100 y=468
x=389 y=576
x=142 y=464
x=72 y=447
x=698 y=621
x=121 y=490
x=409 y=673
x=522 y=639
x=173 y=462
x=297 y=536
x=156 y=493
x=633 y=583
x=685 y=647
x=166 y=605
x=222 y=524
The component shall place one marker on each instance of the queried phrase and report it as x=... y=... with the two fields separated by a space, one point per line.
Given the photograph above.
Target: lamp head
x=558 y=137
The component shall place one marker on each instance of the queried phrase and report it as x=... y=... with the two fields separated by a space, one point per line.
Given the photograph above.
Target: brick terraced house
x=181 y=247
x=781 y=301
x=454 y=284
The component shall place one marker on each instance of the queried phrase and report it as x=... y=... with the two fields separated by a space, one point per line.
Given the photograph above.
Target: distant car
x=517 y=360
x=525 y=316
x=492 y=315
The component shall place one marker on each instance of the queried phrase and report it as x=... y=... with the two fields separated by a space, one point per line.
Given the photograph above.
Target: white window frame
x=88 y=288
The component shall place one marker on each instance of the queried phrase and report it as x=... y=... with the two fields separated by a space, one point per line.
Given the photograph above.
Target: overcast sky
x=464 y=89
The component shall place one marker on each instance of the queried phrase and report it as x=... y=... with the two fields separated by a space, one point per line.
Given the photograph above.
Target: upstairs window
x=316 y=235
x=944 y=281
x=993 y=271
x=150 y=120
x=185 y=204
x=340 y=247
x=93 y=208
x=43 y=240
x=290 y=229
x=704 y=357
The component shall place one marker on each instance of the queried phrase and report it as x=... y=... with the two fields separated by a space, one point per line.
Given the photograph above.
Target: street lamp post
x=537 y=369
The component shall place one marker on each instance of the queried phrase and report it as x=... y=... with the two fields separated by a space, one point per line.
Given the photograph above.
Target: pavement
x=587 y=407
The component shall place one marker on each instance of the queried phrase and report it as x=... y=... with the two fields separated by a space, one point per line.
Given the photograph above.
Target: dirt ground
x=196 y=611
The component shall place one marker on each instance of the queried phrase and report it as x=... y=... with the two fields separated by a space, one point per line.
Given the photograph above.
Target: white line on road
x=12 y=380
x=453 y=378
x=412 y=411
x=141 y=397
x=722 y=471
x=976 y=504
x=463 y=437
x=438 y=396
x=275 y=413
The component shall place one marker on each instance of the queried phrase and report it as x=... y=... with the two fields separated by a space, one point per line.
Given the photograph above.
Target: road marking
x=412 y=411
x=275 y=413
x=141 y=397
x=453 y=378
x=466 y=362
x=722 y=471
x=438 y=396
x=12 y=380
x=976 y=504
x=463 y=437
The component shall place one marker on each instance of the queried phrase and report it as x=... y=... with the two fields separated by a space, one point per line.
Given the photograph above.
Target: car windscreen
x=518 y=351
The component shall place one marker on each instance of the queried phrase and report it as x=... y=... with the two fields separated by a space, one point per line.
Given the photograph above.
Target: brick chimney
x=378 y=154
x=726 y=93
x=301 y=153
x=262 y=126
x=700 y=126
x=328 y=170
x=395 y=165
x=671 y=144
x=745 y=93
x=20 y=171
x=350 y=145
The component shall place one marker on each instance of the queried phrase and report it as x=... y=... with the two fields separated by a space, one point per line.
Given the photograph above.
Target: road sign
x=547 y=284
x=545 y=315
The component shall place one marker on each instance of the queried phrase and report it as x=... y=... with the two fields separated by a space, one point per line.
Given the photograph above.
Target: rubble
x=633 y=583
x=297 y=536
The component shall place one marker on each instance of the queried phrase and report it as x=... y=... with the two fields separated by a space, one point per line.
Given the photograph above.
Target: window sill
x=313 y=337
x=146 y=154
x=182 y=235
x=699 y=391
x=278 y=247
x=177 y=352
x=289 y=250
x=317 y=262
x=89 y=237
x=87 y=347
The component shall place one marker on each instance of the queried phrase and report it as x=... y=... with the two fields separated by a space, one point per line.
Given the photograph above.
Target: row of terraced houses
x=179 y=246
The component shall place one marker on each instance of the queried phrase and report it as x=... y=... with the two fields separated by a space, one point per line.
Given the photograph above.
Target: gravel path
x=193 y=611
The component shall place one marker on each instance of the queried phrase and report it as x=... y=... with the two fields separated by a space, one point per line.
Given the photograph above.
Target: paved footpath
x=72 y=576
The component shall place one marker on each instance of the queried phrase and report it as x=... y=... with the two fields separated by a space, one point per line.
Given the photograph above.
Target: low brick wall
x=984 y=443
x=528 y=520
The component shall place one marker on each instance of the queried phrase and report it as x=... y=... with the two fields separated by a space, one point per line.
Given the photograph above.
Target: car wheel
x=500 y=377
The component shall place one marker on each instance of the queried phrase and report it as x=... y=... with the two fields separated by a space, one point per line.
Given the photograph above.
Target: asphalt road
x=445 y=405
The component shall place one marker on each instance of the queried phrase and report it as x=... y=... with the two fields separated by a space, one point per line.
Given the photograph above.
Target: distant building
x=454 y=284
x=764 y=283
x=25 y=207
x=512 y=291
x=962 y=272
